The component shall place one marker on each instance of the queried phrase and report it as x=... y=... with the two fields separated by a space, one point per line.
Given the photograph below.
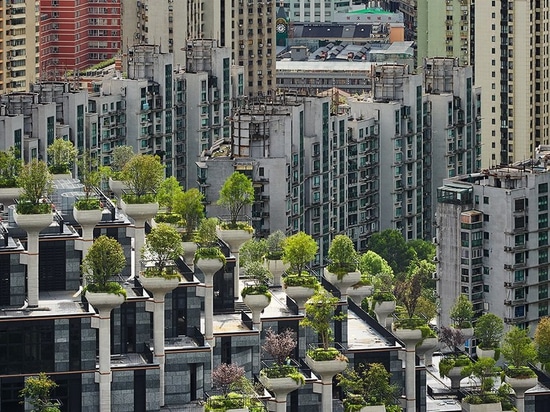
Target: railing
x=247 y=320
x=364 y=316
x=194 y=333
x=5 y=235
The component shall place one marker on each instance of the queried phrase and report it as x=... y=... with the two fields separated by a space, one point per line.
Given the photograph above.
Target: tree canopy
x=236 y=192
x=298 y=250
x=518 y=348
x=390 y=244
x=143 y=174
x=162 y=246
x=61 y=155
x=169 y=192
x=542 y=341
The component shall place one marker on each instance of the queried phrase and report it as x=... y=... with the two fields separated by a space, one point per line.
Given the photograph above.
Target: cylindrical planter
x=209 y=267
x=9 y=194
x=426 y=349
x=343 y=282
x=189 y=249
x=117 y=186
x=159 y=285
x=299 y=294
x=281 y=387
x=455 y=375
x=520 y=386
x=482 y=407
x=410 y=337
x=326 y=370
x=468 y=333
x=485 y=353
x=88 y=219
x=383 y=310
x=373 y=408
x=256 y=303
x=357 y=294
x=277 y=268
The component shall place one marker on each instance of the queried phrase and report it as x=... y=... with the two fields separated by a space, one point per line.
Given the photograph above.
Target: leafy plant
x=119 y=157
x=61 y=155
x=279 y=345
x=484 y=370
x=225 y=375
x=104 y=259
x=542 y=341
x=90 y=176
x=10 y=167
x=370 y=383
x=452 y=361
x=207 y=239
x=320 y=312
x=143 y=174
x=162 y=247
x=299 y=250
x=517 y=348
x=488 y=331
x=35 y=182
x=452 y=338
x=169 y=192
x=275 y=243
x=236 y=192
x=303 y=279
x=462 y=312
x=253 y=250
x=189 y=205
x=37 y=391
x=342 y=256
x=409 y=290
x=260 y=277
x=381 y=296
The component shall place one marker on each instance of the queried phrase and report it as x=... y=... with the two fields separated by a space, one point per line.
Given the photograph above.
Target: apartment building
x=492 y=242
x=77 y=35
x=19 y=36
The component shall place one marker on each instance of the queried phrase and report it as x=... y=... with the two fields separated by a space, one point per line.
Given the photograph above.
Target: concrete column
x=520 y=386
x=235 y=239
x=104 y=303
x=326 y=370
x=159 y=287
x=32 y=224
x=410 y=337
x=209 y=267
x=88 y=219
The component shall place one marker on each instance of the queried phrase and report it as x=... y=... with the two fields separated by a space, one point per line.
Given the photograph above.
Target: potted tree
x=298 y=250
x=119 y=157
x=451 y=364
x=189 y=206
x=368 y=389
x=281 y=377
x=275 y=243
x=10 y=168
x=61 y=157
x=256 y=294
x=462 y=314
x=35 y=182
x=37 y=391
x=542 y=342
x=168 y=194
x=342 y=270
x=488 y=331
x=518 y=350
x=253 y=250
x=325 y=360
x=162 y=247
x=87 y=210
x=383 y=301
x=484 y=398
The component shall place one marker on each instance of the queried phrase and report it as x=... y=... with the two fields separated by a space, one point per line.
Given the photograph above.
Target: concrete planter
x=34 y=222
x=426 y=349
x=357 y=294
x=520 y=385
x=234 y=237
x=344 y=282
x=104 y=301
x=408 y=336
x=117 y=186
x=9 y=194
x=140 y=211
x=467 y=332
x=159 y=285
x=373 y=408
x=485 y=353
x=299 y=294
x=256 y=303
x=189 y=249
x=62 y=176
x=483 y=407
x=277 y=268
x=209 y=266
x=383 y=310
x=87 y=217
x=455 y=375
x=280 y=386
x=326 y=369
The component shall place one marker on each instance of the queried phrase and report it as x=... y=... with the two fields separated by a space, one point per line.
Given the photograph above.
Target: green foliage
x=484 y=370
x=488 y=331
x=299 y=250
x=425 y=308
x=10 y=167
x=206 y=234
x=321 y=354
x=283 y=371
x=275 y=243
x=189 y=205
x=119 y=157
x=542 y=342
x=256 y=290
x=89 y=173
x=168 y=192
x=409 y=290
x=37 y=391
x=172 y=218
x=162 y=247
x=253 y=250
x=304 y=279
x=87 y=204
x=258 y=273
x=424 y=250
x=342 y=256
x=320 y=312
x=143 y=174
x=522 y=372
x=236 y=192
x=518 y=349
x=209 y=253
x=450 y=362
x=35 y=182
x=462 y=312
x=381 y=296
x=371 y=382
x=104 y=260
x=61 y=155
x=390 y=245
x=373 y=264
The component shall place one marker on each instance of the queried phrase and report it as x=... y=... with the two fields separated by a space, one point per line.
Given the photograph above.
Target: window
x=543 y=220
x=543 y=188
x=519 y=276
x=543 y=291
x=543 y=238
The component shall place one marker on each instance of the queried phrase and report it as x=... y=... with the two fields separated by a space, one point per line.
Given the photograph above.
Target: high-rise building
x=247 y=28
x=492 y=243
x=18 y=45
x=76 y=35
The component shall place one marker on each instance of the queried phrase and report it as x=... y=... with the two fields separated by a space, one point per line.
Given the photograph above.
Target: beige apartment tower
x=18 y=45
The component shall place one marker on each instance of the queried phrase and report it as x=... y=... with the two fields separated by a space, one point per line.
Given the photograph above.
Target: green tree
x=373 y=264
x=488 y=331
x=37 y=391
x=206 y=234
x=342 y=256
x=189 y=206
x=35 y=182
x=391 y=245
x=426 y=308
x=484 y=370
x=253 y=250
x=162 y=246
x=88 y=173
x=518 y=349
x=274 y=245
x=169 y=192
x=61 y=155
x=10 y=167
x=462 y=312
x=143 y=174
x=299 y=250
x=119 y=157
x=424 y=250
x=236 y=192
x=372 y=382
x=542 y=341
x=320 y=312
x=408 y=291
x=104 y=259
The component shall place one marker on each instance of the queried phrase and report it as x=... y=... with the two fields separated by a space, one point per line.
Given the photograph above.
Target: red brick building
x=76 y=34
